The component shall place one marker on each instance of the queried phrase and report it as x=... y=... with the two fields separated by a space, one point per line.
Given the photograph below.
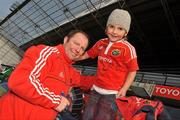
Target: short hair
x=73 y=32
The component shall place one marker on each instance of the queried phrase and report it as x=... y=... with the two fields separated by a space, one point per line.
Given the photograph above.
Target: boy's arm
x=129 y=80
x=132 y=67
x=93 y=52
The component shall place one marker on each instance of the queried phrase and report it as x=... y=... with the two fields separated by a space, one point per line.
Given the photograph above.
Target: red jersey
x=36 y=84
x=115 y=60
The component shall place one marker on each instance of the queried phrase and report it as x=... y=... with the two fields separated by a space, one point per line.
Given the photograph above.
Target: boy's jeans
x=100 y=107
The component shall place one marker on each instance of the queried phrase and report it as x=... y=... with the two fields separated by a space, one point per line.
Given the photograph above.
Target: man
x=45 y=74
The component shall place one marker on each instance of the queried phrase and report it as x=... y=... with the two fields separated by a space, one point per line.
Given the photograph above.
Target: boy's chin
x=114 y=40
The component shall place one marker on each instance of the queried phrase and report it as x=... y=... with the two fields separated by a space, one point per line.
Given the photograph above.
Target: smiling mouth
x=114 y=36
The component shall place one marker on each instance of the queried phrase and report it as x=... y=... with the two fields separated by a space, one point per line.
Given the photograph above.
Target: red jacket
x=36 y=84
x=114 y=62
x=131 y=107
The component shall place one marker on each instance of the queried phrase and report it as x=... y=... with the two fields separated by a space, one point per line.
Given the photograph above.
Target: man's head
x=75 y=44
x=120 y=17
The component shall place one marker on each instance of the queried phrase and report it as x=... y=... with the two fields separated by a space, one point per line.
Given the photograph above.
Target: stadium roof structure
x=34 y=18
x=154 y=30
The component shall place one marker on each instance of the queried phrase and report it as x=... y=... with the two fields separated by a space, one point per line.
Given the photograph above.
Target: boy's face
x=115 y=32
x=75 y=46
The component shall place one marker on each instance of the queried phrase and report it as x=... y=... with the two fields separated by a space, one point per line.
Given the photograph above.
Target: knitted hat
x=120 y=17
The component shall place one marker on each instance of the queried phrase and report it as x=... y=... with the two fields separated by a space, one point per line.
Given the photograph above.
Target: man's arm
x=25 y=80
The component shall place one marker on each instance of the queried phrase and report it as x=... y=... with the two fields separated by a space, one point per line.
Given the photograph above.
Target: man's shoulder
x=38 y=48
x=41 y=46
x=42 y=50
x=44 y=47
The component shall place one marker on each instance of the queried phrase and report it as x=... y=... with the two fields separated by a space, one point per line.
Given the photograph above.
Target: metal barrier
x=144 y=83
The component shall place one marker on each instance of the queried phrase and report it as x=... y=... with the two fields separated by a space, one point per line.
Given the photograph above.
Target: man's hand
x=64 y=103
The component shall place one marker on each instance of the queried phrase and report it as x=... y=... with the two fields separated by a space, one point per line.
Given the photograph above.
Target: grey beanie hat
x=120 y=17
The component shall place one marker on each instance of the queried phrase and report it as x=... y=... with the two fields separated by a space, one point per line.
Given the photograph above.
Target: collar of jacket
x=62 y=51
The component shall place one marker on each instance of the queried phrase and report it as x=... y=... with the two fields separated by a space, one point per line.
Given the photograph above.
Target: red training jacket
x=36 y=84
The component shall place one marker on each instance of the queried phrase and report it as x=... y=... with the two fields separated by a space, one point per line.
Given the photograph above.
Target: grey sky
x=5 y=5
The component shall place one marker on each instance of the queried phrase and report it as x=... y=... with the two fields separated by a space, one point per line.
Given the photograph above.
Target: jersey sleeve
x=94 y=51
x=131 y=58
x=25 y=80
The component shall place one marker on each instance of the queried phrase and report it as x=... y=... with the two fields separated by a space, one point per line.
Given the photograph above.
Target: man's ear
x=65 y=39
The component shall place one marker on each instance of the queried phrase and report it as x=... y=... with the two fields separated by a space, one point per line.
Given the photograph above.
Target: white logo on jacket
x=61 y=74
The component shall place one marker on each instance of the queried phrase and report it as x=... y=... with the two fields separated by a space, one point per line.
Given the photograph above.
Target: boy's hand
x=64 y=103
x=121 y=93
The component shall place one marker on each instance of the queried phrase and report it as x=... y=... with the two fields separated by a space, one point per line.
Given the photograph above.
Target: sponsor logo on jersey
x=105 y=59
x=61 y=74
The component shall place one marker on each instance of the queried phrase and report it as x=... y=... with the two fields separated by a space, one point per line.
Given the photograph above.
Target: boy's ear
x=125 y=34
x=65 y=39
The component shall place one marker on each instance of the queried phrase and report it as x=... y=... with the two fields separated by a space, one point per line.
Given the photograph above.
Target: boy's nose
x=115 y=31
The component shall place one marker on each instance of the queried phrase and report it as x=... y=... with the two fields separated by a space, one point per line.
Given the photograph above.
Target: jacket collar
x=63 y=54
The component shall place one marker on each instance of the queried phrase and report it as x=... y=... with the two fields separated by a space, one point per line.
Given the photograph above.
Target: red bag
x=134 y=108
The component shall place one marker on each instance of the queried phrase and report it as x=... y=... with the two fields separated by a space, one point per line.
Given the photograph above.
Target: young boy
x=117 y=66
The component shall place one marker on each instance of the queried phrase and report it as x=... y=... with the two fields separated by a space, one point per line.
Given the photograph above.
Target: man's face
x=75 y=46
